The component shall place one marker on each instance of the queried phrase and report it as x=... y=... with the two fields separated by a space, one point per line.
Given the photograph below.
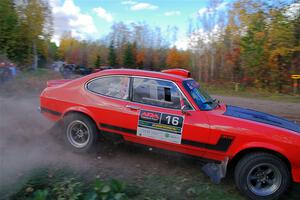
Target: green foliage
x=253 y=44
x=52 y=52
x=44 y=184
x=40 y=195
x=13 y=41
x=68 y=189
x=258 y=45
x=129 y=56
x=114 y=190
x=98 y=61
x=25 y=28
x=112 y=57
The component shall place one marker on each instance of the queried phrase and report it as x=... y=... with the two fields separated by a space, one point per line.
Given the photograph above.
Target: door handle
x=132 y=107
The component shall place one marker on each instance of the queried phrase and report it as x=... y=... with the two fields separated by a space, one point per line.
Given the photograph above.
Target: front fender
x=295 y=166
x=260 y=145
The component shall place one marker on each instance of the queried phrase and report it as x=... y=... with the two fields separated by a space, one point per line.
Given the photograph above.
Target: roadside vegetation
x=45 y=184
x=230 y=89
x=250 y=42
x=28 y=82
x=48 y=184
x=34 y=81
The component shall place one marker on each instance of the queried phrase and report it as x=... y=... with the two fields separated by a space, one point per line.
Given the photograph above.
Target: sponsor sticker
x=160 y=126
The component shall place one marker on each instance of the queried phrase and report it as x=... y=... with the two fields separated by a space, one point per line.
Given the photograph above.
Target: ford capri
x=169 y=110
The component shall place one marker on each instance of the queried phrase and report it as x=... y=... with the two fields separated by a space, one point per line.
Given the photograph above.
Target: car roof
x=146 y=73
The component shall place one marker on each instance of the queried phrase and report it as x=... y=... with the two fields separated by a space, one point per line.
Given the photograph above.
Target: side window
x=112 y=86
x=157 y=93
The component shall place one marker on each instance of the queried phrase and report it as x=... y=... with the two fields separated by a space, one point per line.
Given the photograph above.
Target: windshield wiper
x=212 y=102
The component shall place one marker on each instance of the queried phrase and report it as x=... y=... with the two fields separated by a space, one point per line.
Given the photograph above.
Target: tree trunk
x=222 y=71
x=206 y=65
x=193 y=64
x=35 y=56
x=198 y=66
x=212 y=64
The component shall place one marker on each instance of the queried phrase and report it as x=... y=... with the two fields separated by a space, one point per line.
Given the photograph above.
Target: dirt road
x=288 y=110
x=28 y=141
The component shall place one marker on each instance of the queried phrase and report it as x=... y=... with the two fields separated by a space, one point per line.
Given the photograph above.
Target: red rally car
x=169 y=110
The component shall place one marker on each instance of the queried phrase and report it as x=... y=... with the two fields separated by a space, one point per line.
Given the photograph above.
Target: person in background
x=5 y=72
x=13 y=69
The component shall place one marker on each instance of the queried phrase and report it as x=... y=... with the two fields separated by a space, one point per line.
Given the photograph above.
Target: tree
x=254 y=54
x=281 y=47
x=72 y=50
x=52 y=50
x=140 y=58
x=177 y=59
x=296 y=55
x=112 y=58
x=36 y=17
x=129 y=56
x=98 y=61
x=9 y=29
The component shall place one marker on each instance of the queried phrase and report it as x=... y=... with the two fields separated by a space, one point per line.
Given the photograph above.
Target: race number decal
x=160 y=126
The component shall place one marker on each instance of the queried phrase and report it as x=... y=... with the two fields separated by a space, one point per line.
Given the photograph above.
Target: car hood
x=261 y=117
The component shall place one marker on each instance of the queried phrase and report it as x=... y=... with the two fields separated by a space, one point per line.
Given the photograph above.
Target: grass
x=198 y=187
x=228 y=89
x=179 y=187
x=28 y=82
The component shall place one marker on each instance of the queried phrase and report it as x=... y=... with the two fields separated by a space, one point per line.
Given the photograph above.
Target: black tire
x=87 y=130
x=272 y=176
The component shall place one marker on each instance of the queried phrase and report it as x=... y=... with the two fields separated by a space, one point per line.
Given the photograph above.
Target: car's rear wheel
x=80 y=132
x=262 y=176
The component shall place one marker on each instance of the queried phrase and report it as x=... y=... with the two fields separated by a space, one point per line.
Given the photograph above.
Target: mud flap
x=216 y=171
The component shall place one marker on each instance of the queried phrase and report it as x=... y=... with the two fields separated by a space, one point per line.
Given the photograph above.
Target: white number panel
x=160 y=126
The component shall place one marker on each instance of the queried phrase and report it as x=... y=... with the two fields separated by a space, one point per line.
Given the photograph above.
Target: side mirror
x=184 y=110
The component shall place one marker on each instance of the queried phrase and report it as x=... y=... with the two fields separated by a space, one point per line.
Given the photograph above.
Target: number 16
x=173 y=120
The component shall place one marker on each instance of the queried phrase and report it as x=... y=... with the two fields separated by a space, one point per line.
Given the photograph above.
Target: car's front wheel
x=262 y=176
x=80 y=132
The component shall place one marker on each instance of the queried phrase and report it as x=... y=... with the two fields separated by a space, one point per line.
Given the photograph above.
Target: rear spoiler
x=178 y=72
x=53 y=83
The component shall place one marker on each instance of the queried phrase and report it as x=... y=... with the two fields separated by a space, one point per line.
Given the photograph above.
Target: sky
x=92 y=19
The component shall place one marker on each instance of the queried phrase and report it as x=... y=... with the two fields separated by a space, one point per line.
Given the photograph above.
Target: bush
x=43 y=185
x=114 y=190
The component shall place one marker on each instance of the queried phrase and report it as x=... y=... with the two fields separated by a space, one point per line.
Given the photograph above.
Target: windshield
x=202 y=99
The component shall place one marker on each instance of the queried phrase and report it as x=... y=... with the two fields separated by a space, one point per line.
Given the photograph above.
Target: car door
x=155 y=113
x=109 y=97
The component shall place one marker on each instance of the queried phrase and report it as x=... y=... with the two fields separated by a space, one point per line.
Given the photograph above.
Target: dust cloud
x=29 y=141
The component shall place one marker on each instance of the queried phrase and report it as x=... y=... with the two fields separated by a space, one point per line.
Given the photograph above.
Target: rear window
x=112 y=86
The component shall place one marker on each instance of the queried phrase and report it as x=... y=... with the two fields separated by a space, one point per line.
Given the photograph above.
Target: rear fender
x=82 y=110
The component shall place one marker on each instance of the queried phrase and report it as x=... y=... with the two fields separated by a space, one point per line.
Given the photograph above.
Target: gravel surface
x=284 y=109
